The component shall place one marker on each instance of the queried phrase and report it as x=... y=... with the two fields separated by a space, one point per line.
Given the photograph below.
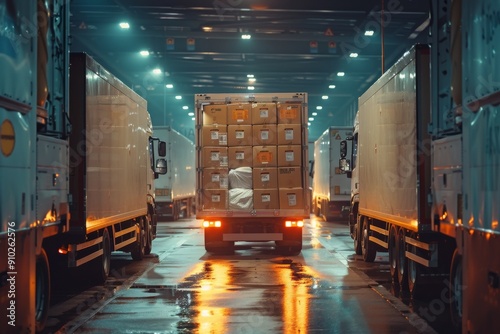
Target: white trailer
x=175 y=192
x=428 y=166
x=252 y=171
x=331 y=188
x=76 y=165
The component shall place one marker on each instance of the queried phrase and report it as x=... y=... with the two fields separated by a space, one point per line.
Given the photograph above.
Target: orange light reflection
x=295 y=304
x=211 y=316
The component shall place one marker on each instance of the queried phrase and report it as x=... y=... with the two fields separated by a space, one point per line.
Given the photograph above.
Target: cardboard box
x=289 y=134
x=215 y=178
x=265 y=199
x=264 y=134
x=214 y=114
x=264 y=113
x=289 y=113
x=214 y=135
x=214 y=157
x=239 y=135
x=289 y=155
x=265 y=178
x=289 y=177
x=265 y=156
x=291 y=198
x=214 y=199
x=240 y=156
x=239 y=113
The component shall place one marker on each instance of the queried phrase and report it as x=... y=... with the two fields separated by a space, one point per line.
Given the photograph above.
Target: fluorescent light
x=124 y=25
x=308 y=123
x=185 y=107
x=169 y=86
x=325 y=97
x=144 y=53
x=246 y=36
x=332 y=86
x=251 y=80
x=311 y=119
x=340 y=74
x=191 y=114
x=315 y=114
x=353 y=55
x=156 y=71
x=178 y=97
x=251 y=87
x=193 y=119
x=207 y=29
x=319 y=107
x=250 y=75
x=369 y=33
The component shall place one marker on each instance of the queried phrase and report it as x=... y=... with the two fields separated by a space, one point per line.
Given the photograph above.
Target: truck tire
x=401 y=261
x=456 y=291
x=139 y=250
x=368 y=248
x=393 y=255
x=102 y=265
x=214 y=243
x=416 y=285
x=42 y=290
x=288 y=250
x=357 y=240
x=149 y=234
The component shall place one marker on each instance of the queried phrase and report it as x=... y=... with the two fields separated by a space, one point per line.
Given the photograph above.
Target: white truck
x=77 y=163
x=426 y=158
x=175 y=192
x=251 y=164
x=331 y=189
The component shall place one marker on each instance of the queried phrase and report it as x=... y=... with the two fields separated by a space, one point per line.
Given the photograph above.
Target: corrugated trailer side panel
x=393 y=172
x=110 y=127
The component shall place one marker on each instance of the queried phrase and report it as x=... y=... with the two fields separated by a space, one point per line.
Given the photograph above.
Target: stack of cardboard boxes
x=252 y=156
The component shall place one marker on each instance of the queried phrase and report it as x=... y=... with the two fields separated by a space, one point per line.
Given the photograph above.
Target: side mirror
x=161 y=166
x=162 y=149
x=343 y=149
x=345 y=167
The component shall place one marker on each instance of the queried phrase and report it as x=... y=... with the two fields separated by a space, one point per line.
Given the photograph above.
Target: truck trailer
x=77 y=163
x=175 y=192
x=426 y=158
x=331 y=189
x=251 y=165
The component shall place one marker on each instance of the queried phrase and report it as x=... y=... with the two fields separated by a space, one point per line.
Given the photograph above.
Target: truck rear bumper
x=252 y=236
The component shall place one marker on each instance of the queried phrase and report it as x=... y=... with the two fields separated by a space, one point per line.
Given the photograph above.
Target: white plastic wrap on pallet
x=240 y=199
x=240 y=178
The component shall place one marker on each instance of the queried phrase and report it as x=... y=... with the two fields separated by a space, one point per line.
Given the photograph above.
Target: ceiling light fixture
x=251 y=87
x=315 y=114
x=319 y=107
x=185 y=107
x=311 y=119
x=191 y=114
x=331 y=86
x=169 y=86
x=124 y=25
x=246 y=36
x=144 y=53
x=250 y=76
x=353 y=55
x=325 y=97
x=340 y=74
x=369 y=33
x=157 y=71
x=251 y=79
x=178 y=97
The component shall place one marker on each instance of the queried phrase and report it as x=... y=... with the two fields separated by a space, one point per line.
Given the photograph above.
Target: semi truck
x=251 y=165
x=175 y=192
x=426 y=164
x=331 y=188
x=77 y=163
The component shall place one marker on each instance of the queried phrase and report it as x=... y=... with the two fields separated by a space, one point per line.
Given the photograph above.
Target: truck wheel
x=401 y=261
x=139 y=249
x=456 y=291
x=414 y=274
x=102 y=264
x=289 y=250
x=42 y=291
x=357 y=240
x=368 y=248
x=149 y=234
x=393 y=255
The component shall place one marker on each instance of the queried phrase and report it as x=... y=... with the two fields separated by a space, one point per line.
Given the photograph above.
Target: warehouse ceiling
x=294 y=46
